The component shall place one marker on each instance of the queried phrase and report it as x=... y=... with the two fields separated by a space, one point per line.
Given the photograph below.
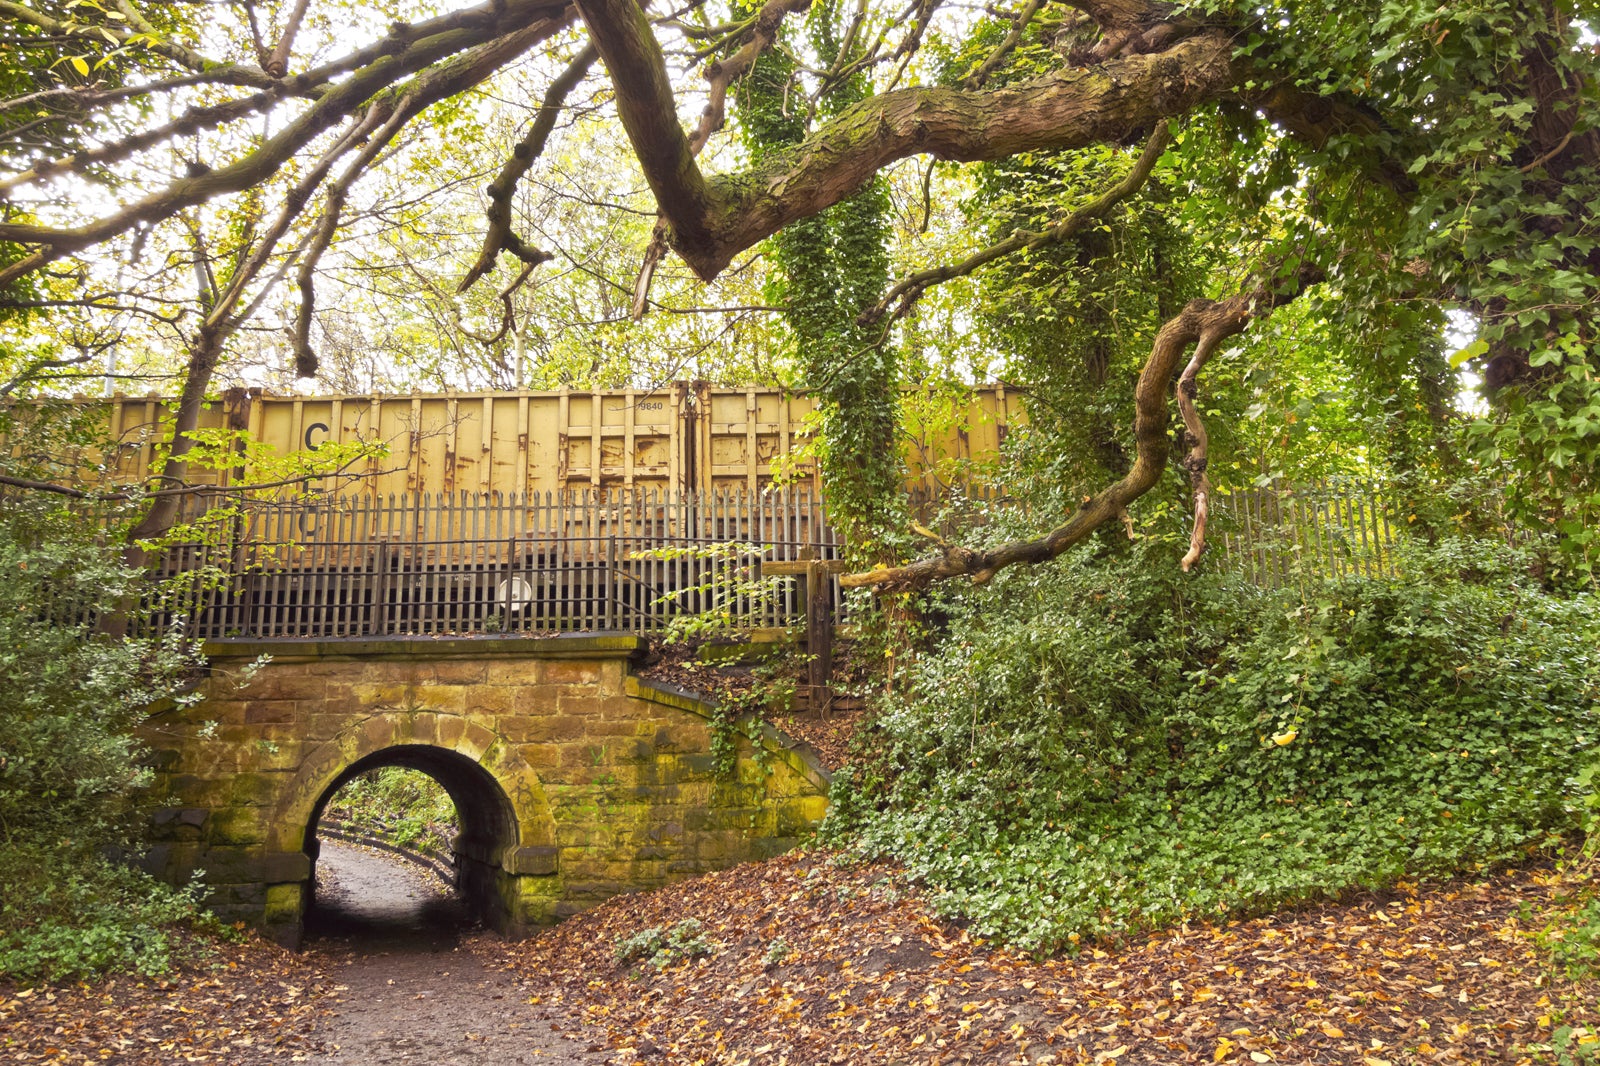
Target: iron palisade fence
x=630 y=559
x=465 y=563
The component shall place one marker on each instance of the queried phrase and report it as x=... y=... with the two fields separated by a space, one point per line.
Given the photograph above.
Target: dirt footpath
x=415 y=980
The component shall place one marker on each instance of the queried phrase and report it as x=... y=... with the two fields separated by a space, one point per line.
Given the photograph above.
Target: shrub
x=401 y=806
x=1107 y=744
x=68 y=915
x=661 y=946
x=69 y=761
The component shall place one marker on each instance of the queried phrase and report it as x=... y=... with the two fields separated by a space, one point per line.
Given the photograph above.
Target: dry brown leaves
x=253 y=1002
x=1435 y=974
x=829 y=734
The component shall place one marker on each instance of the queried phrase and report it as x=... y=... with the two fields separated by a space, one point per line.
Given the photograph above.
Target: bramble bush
x=1107 y=744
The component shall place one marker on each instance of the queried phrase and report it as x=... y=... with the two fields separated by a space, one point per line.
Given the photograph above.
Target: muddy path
x=416 y=979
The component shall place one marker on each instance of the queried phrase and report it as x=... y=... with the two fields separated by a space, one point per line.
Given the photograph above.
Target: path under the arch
x=414 y=983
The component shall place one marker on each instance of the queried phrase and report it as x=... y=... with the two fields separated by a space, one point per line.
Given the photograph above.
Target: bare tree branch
x=277 y=63
x=980 y=77
x=525 y=20
x=899 y=299
x=34 y=371
x=191 y=121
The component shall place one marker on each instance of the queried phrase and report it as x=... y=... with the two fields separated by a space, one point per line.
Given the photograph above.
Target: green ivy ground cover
x=1106 y=744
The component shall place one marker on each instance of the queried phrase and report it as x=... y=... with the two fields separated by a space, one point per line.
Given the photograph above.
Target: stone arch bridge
x=573 y=778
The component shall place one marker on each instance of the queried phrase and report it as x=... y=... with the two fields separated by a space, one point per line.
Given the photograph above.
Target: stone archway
x=506 y=854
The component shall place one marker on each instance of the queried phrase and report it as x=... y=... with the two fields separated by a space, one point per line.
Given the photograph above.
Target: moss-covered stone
x=607 y=778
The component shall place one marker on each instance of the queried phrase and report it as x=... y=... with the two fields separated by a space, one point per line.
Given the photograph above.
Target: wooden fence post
x=819 y=635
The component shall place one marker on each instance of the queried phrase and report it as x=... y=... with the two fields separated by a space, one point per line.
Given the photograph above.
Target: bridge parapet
x=574 y=779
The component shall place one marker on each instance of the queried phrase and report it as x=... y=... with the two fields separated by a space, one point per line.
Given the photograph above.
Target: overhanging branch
x=1202 y=323
x=712 y=221
x=500 y=236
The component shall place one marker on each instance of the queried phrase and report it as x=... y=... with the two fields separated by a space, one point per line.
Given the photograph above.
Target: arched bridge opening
x=574 y=779
x=485 y=821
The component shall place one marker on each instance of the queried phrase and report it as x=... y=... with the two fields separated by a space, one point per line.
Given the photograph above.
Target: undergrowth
x=661 y=946
x=400 y=806
x=1105 y=744
x=65 y=916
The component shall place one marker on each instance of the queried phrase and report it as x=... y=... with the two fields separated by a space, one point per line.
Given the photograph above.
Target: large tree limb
x=712 y=221
x=898 y=300
x=1203 y=323
x=632 y=55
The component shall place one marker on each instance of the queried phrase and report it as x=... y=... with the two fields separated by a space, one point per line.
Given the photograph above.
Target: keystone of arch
x=384 y=729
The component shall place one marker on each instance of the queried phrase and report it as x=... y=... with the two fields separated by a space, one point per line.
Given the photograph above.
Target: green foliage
x=1573 y=940
x=739 y=712
x=661 y=946
x=1575 y=1046
x=69 y=699
x=778 y=950
x=69 y=762
x=832 y=267
x=728 y=590
x=70 y=914
x=397 y=805
x=1475 y=210
x=1107 y=745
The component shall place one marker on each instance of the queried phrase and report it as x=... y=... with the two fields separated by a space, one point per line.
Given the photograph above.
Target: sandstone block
x=512 y=672
x=451 y=727
x=538 y=756
x=460 y=671
x=534 y=861
x=494 y=700
x=237 y=826
x=571 y=672
x=580 y=704
x=261 y=711
x=279 y=683
x=370 y=695
x=449 y=699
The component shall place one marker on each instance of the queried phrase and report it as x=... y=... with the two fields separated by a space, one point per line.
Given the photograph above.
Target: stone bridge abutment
x=573 y=779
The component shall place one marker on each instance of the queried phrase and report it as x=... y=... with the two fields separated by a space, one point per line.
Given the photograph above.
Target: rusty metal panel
x=682 y=437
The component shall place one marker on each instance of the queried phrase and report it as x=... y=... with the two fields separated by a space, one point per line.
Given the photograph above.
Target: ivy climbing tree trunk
x=835 y=266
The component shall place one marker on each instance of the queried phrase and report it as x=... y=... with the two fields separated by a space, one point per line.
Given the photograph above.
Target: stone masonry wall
x=577 y=780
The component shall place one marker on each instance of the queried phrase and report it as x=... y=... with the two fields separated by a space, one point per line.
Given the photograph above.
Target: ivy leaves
x=1105 y=747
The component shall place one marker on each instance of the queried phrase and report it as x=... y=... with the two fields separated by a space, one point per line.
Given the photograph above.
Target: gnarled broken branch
x=1203 y=323
x=1195 y=462
x=500 y=236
